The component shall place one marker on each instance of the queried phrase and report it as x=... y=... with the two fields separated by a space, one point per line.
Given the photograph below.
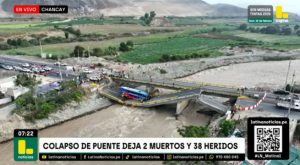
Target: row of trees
x=167 y=57
x=272 y=29
x=37 y=38
x=68 y=30
x=80 y=51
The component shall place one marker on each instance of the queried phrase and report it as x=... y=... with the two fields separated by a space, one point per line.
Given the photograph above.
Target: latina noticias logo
x=280 y=15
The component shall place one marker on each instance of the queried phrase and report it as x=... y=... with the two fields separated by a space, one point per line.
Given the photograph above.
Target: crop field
x=150 y=53
x=181 y=21
x=86 y=21
x=293 y=39
x=120 y=28
x=10 y=29
x=280 y=42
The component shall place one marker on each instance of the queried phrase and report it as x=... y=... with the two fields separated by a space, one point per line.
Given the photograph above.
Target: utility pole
x=287 y=75
x=291 y=92
x=78 y=54
x=60 y=74
x=41 y=48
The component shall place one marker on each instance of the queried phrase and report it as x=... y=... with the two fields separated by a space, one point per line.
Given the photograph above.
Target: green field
x=151 y=53
x=11 y=29
x=280 y=42
x=292 y=39
x=95 y=21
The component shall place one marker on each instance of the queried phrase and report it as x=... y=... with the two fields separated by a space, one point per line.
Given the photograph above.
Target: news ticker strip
x=140 y=157
x=143 y=145
x=40 y=9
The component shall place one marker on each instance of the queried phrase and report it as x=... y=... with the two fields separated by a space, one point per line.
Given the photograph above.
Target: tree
x=1 y=95
x=165 y=58
x=271 y=30
x=262 y=30
x=25 y=80
x=97 y=52
x=78 y=51
x=110 y=51
x=123 y=47
x=12 y=42
x=77 y=33
x=152 y=14
x=243 y=26
x=126 y=46
x=148 y=17
x=66 y=35
x=130 y=44
x=34 y=41
x=214 y=29
x=287 y=31
x=227 y=127
x=288 y=87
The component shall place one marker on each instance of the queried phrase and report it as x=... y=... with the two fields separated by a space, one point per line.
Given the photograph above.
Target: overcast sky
x=288 y=5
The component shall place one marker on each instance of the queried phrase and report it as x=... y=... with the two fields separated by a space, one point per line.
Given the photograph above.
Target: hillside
x=134 y=7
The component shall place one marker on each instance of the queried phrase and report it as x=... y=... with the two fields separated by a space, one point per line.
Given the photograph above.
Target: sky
x=288 y=5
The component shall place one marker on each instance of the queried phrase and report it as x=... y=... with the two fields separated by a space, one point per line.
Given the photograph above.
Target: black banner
x=53 y=9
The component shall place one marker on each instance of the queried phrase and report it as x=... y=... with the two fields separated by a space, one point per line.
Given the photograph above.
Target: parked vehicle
x=94 y=78
x=7 y=67
x=295 y=104
x=25 y=65
x=26 y=70
x=281 y=92
x=17 y=68
x=35 y=70
x=47 y=68
x=88 y=71
x=59 y=63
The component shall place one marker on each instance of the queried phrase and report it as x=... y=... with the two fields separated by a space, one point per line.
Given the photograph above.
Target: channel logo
x=22 y=150
x=25 y=145
x=280 y=15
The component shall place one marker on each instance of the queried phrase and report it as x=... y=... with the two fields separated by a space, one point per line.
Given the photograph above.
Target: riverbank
x=180 y=69
x=265 y=74
x=69 y=112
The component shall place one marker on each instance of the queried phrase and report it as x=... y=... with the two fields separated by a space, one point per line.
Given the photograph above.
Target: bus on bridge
x=134 y=94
